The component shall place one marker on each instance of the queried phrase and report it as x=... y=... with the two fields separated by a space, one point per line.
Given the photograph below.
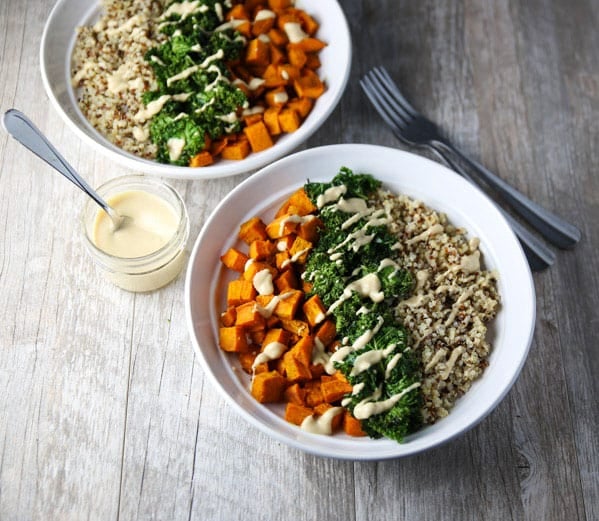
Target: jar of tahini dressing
x=148 y=250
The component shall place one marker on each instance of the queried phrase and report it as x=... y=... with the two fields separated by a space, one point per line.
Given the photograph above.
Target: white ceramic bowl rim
x=56 y=48
x=400 y=171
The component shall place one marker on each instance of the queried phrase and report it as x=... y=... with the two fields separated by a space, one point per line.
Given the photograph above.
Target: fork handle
x=538 y=255
x=555 y=229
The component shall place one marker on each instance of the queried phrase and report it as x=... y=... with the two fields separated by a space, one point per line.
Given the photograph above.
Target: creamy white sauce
x=366 y=360
x=435 y=229
x=264 y=14
x=151 y=109
x=322 y=424
x=175 y=146
x=185 y=73
x=330 y=194
x=367 y=408
x=262 y=281
x=151 y=223
x=294 y=32
x=271 y=351
x=367 y=286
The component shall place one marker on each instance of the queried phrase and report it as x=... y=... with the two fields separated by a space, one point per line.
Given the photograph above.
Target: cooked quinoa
x=111 y=75
x=454 y=300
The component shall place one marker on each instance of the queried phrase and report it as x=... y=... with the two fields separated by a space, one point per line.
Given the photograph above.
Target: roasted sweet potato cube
x=351 y=426
x=326 y=332
x=287 y=280
x=234 y=259
x=257 y=52
x=248 y=316
x=236 y=151
x=317 y=370
x=246 y=360
x=302 y=350
x=252 y=230
x=333 y=389
x=258 y=136
x=289 y=120
x=310 y=229
x=284 y=243
x=268 y=387
x=276 y=5
x=296 y=413
x=309 y=25
x=302 y=106
x=289 y=304
x=217 y=146
x=250 y=119
x=254 y=267
x=277 y=56
x=203 y=158
x=233 y=339
x=313 y=61
x=277 y=97
x=297 y=56
x=227 y=318
x=309 y=85
x=282 y=226
x=313 y=393
x=277 y=37
x=311 y=44
x=262 y=250
x=289 y=72
x=336 y=421
x=314 y=310
x=294 y=370
x=296 y=327
x=237 y=12
x=300 y=249
x=283 y=260
x=277 y=335
x=239 y=292
x=257 y=334
x=272 y=77
x=262 y=22
x=295 y=394
x=271 y=120
x=300 y=202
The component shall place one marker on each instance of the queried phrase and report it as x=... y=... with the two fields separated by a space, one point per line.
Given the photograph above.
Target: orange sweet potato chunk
x=268 y=387
x=251 y=230
x=258 y=136
x=296 y=413
x=233 y=339
x=234 y=259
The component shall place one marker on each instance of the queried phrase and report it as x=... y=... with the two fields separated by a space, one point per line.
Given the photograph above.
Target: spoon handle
x=25 y=132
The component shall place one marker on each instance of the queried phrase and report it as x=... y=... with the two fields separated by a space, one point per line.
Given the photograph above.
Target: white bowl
x=419 y=178
x=57 y=45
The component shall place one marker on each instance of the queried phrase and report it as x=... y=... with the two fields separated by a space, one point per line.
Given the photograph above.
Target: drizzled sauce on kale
x=352 y=269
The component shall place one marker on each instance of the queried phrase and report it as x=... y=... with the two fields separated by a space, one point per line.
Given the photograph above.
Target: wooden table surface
x=105 y=414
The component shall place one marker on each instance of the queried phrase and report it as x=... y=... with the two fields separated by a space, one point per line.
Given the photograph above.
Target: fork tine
x=380 y=105
x=394 y=91
x=388 y=96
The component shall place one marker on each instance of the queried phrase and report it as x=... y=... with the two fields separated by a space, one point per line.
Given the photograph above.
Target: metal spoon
x=25 y=132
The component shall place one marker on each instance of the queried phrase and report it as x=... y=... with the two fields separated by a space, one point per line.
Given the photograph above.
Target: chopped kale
x=337 y=269
x=190 y=66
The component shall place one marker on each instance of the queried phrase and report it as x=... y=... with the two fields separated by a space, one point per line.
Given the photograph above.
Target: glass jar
x=151 y=271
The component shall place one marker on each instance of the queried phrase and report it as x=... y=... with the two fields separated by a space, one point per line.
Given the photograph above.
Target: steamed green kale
x=190 y=67
x=364 y=319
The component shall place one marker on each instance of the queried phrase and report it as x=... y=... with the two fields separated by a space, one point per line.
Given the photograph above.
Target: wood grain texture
x=104 y=412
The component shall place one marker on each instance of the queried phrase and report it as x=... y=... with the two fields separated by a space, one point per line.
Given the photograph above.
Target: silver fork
x=538 y=254
x=416 y=130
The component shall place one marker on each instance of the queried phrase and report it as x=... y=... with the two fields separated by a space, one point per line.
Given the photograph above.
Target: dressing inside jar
x=148 y=250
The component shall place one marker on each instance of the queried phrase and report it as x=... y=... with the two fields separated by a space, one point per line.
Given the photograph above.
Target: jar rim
x=179 y=237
